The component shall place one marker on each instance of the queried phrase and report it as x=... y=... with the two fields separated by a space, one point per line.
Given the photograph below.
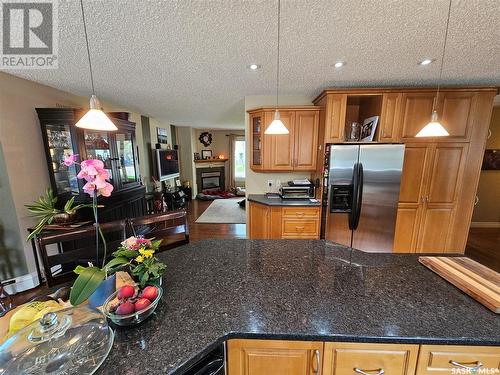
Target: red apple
x=141 y=304
x=150 y=292
x=126 y=291
x=125 y=308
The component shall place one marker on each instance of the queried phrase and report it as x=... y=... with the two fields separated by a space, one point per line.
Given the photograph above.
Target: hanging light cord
x=444 y=50
x=88 y=49
x=278 y=56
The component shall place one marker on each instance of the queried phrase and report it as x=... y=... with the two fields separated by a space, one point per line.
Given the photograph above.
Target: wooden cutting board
x=478 y=281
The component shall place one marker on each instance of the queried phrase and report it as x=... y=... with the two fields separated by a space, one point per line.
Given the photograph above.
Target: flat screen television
x=167 y=164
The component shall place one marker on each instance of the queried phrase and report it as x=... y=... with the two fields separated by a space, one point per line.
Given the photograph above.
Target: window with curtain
x=239 y=159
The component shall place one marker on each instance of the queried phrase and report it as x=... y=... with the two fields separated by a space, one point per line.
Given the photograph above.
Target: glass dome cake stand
x=70 y=341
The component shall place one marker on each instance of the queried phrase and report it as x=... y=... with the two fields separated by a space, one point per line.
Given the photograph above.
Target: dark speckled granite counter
x=262 y=199
x=294 y=289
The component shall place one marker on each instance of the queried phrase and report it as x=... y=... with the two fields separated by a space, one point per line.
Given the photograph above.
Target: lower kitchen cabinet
x=369 y=359
x=283 y=222
x=443 y=359
x=277 y=357
x=274 y=357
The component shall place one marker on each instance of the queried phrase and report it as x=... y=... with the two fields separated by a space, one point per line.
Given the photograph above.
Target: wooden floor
x=483 y=245
x=199 y=232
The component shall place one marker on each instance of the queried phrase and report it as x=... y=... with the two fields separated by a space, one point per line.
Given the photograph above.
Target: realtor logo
x=29 y=34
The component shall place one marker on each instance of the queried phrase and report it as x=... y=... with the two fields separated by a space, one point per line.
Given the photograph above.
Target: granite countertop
x=262 y=199
x=294 y=289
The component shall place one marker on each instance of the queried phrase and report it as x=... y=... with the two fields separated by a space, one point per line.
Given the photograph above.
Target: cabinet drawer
x=373 y=359
x=301 y=212
x=301 y=227
x=437 y=359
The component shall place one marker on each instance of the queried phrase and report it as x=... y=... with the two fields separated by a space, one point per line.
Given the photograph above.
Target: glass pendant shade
x=95 y=119
x=277 y=126
x=433 y=128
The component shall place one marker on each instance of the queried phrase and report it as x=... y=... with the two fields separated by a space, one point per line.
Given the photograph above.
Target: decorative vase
x=107 y=288
x=65 y=218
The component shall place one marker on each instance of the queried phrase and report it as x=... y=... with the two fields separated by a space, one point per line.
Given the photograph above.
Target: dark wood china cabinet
x=117 y=150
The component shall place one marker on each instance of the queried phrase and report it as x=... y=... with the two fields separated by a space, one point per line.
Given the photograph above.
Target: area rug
x=224 y=211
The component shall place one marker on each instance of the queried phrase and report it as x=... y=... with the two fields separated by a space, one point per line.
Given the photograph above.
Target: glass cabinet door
x=256 y=122
x=126 y=157
x=97 y=146
x=60 y=145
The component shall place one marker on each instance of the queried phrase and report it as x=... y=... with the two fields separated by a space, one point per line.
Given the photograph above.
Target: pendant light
x=95 y=118
x=434 y=127
x=277 y=126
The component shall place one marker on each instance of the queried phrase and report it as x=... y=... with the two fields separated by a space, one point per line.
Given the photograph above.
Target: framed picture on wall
x=206 y=154
x=368 y=128
x=162 y=135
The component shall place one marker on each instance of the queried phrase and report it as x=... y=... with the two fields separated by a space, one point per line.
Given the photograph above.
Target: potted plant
x=44 y=209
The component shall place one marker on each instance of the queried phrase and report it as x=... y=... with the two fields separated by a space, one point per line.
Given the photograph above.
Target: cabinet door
x=98 y=145
x=452 y=359
x=274 y=357
x=259 y=221
x=126 y=158
x=389 y=125
x=455 y=114
x=435 y=229
x=306 y=140
x=256 y=131
x=375 y=359
x=407 y=228
x=279 y=148
x=446 y=173
x=336 y=105
x=416 y=113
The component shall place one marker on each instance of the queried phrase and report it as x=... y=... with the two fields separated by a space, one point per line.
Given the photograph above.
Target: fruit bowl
x=133 y=318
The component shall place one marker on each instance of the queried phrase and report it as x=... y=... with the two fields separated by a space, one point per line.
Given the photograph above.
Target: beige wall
x=488 y=207
x=186 y=142
x=22 y=144
x=256 y=183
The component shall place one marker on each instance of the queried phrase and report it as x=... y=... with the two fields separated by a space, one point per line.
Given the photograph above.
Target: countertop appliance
x=297 y=191
x=360 y=195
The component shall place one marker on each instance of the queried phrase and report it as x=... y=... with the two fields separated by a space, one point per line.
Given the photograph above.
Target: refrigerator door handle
x=359 y=195
x=355 y=196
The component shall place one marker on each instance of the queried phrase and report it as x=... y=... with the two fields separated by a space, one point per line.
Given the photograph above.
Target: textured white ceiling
x=185 y=61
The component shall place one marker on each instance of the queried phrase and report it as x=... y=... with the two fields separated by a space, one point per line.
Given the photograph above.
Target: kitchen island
x=306 y=290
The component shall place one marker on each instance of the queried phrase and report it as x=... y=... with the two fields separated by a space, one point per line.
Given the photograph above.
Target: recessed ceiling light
x=339 y=64
x=426 y=62
x=253 y=66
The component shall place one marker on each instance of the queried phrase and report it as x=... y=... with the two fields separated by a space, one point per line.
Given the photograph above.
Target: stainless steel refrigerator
x=361 y=195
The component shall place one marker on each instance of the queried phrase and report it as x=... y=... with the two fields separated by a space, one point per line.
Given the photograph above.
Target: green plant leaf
x=79 y=269
x=69 y=204
x=86 y=284
x=116 y=262
x=126 y=253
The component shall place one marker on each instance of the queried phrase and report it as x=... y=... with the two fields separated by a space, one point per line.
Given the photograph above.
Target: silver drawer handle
x=318 y=360
x=477 y=365
x=369 y=372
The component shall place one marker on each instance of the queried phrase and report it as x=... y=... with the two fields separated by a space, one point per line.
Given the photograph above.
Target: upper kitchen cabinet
x=295 y=151
x=117 y=150
x=455 y=110
x=344 y=114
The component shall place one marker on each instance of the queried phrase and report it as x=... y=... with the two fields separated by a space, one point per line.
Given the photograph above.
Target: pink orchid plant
x=93 y=172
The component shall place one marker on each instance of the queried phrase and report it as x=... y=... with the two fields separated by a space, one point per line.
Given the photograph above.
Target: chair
x=76 y=247
x=171 y=227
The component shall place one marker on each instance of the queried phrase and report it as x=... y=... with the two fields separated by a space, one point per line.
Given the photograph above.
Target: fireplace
x=210 y=179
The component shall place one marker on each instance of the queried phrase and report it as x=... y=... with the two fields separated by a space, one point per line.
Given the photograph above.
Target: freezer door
x=343 y=158
x=382 y=165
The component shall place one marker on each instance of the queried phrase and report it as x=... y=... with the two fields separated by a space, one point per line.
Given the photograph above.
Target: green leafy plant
x=136 y=254
x=44 y=209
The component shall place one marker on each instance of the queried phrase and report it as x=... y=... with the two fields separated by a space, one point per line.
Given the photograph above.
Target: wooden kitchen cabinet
x=281 y=222
x=374 y=359
x=442 y=359
x=274 y=357
x=430 y=184
x=296 y=151
x=455 y=112
x=389 y=118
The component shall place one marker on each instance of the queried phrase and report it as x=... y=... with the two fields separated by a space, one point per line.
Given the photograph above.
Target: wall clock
x=205 y=138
